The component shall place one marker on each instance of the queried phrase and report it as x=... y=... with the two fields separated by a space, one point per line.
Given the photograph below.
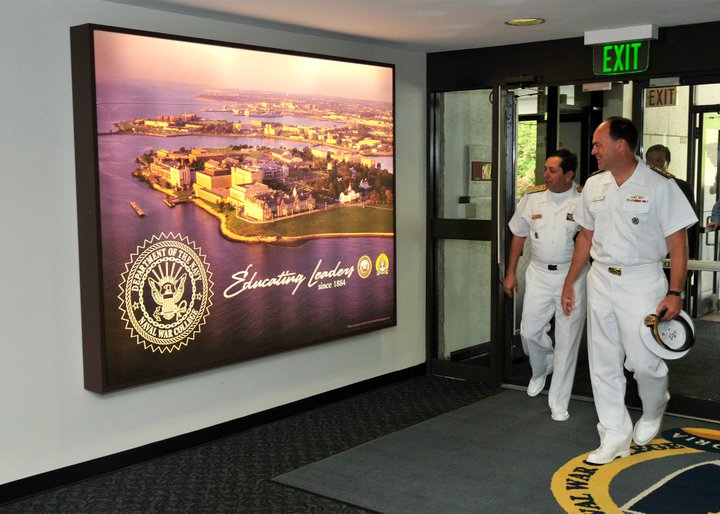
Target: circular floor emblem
x=165 y=292
x=677 y=472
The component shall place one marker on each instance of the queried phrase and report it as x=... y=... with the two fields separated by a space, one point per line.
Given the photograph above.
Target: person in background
x=658 y=156
x=714 y=223
x=631 y=216
x=546 y=216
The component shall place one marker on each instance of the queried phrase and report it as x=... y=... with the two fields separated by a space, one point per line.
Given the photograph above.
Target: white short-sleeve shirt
x=631 y=222
x=548 y=220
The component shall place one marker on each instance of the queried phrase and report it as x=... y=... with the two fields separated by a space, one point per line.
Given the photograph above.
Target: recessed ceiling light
x=524 y=22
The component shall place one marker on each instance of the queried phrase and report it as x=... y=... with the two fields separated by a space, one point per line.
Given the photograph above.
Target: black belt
x=551 y=267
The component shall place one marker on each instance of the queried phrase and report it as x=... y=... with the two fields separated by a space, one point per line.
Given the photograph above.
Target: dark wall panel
x=685 y=50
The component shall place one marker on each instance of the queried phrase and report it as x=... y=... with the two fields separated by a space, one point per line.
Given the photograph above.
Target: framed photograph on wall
x=480 y=170
x=233 y=201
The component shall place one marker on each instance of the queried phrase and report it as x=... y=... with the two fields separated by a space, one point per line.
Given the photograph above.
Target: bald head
x=614 y=144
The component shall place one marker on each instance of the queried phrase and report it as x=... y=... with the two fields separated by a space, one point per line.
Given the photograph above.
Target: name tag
x=536 y=216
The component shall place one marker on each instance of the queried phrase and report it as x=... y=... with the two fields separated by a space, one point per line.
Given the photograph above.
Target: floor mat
x=505 y=454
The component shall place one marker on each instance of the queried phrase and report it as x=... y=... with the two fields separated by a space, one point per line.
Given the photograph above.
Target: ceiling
x=440 y=25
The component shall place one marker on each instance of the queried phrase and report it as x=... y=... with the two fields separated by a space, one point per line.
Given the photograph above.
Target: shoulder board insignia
x=665 y=174
x=596 y=173
x=536 y=189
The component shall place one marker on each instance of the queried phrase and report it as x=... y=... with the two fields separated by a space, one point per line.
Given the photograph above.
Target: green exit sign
x=621 y=58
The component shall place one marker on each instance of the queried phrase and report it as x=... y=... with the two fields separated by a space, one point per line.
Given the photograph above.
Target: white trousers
x=542 y=301
x=617 y=306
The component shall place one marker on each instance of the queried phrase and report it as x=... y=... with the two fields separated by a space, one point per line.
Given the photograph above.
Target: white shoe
x=645 y=430
x=560 y=415
x=606 y=454
x=536 y=385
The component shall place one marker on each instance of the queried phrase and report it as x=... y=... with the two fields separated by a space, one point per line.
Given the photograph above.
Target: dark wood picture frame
x=163 y=294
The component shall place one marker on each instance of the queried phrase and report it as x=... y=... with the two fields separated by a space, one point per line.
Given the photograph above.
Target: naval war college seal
x=165 y=292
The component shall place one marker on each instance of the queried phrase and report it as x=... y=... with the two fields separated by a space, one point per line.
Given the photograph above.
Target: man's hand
x=672 y=305
x=580 y=257
x=510 y=285
x=568 y=298
x=516 y=247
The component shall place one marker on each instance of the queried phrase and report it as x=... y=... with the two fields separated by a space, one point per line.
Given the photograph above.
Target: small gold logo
x=364 y=266
x=165 y=292
x=382 y=264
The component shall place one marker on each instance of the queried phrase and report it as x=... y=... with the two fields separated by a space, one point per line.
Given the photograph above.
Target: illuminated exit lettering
x=621 y=58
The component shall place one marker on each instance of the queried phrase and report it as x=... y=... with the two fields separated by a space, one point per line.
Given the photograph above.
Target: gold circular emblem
x=364 y=266
x=165 y=292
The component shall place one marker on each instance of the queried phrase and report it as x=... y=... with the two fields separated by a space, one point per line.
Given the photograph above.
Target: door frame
x=439 y=228
x=697 y=119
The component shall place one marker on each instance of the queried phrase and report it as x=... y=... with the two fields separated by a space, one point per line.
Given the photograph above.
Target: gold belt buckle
x=615 y=271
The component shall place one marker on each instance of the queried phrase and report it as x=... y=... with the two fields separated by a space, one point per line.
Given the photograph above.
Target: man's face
x=656 y=160
x=604 y=148
x=555 y=179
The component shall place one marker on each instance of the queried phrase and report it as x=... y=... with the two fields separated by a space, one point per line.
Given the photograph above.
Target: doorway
x=694 y=386
x=462 y=239
x=487 y=146
x=578 y=109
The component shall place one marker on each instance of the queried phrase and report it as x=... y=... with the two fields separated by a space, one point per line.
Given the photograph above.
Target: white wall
x=47 y=419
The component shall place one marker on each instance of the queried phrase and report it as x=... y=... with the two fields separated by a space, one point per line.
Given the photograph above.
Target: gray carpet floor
x=234 y=474
x=453 y=439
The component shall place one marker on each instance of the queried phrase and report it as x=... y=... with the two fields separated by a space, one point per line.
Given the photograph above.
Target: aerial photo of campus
x=299 y=158
x=247 y=186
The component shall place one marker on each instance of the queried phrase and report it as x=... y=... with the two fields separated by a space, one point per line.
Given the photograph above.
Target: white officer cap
x=668 y=339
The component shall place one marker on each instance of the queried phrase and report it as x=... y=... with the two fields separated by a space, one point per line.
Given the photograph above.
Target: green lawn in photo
x=343 y=220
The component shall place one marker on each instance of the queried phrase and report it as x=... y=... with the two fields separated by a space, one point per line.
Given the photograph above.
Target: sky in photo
x=127 y=56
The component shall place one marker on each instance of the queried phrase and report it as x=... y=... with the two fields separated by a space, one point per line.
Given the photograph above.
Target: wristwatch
x=681 y=294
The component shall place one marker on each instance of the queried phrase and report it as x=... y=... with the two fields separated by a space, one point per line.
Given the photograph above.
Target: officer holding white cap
x=631 y=216
x=546 y=215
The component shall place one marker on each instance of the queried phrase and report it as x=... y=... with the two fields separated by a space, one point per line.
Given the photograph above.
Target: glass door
x=539 y=120
x=462 y=255
x=707 y=164
x=524 y=149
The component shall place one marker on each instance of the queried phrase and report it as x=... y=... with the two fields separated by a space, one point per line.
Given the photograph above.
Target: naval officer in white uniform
x=631 y=216
x=546 y=216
